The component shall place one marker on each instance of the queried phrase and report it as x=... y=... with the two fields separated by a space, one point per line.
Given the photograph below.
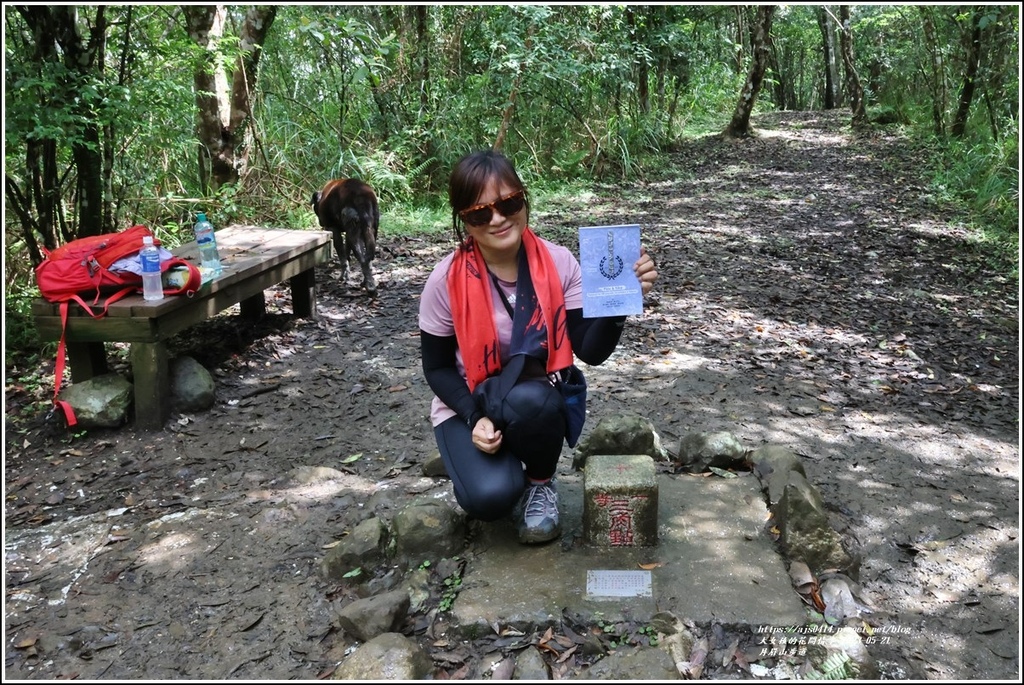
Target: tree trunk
x=828 y=53
x=510 y=106
x=41 y=190
x=859 y=119
x=973 y=58
x=643 y=94
x=741 y=36
x=423 y=52
x=223 y=113
x=937 y=82
x=740 y=125
x=82 y=57
x=87 y=150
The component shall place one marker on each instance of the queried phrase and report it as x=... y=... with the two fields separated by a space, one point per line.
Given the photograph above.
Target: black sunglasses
x=481 y=215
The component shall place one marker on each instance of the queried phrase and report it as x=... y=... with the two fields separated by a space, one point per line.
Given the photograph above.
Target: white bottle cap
x=147 y=240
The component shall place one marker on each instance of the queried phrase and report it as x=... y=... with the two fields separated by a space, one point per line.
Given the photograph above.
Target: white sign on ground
x=618 y=584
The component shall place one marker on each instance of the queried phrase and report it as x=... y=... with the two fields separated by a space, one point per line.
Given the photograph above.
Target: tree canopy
x=120 y=114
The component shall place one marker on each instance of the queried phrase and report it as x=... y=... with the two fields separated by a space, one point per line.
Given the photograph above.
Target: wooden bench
x=254 y=259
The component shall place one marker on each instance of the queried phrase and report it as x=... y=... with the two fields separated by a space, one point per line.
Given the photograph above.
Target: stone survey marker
x=620 y=501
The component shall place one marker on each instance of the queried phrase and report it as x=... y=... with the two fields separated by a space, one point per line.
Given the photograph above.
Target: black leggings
x=487 y=486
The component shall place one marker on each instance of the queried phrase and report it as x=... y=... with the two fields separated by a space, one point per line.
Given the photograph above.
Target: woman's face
x=502 y=233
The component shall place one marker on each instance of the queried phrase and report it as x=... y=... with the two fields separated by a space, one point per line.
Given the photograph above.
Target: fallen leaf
x=252 y=623
x=730 y=653
x=563 y=641
x=697 y=656
x=566 y=654
x=352 y=458
x=648 y=567
x=503 y=670
x=461 y=673
x=800 y=573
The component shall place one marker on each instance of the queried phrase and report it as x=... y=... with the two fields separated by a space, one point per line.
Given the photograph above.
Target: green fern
x=837 y=666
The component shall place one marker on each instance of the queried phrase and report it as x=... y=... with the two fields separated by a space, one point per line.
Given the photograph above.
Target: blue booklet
x=607 y=255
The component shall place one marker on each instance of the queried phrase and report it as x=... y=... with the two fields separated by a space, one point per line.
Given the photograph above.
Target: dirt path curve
x=813 y=294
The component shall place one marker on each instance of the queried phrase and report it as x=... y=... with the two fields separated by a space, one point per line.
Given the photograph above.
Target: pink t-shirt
x=436 y=310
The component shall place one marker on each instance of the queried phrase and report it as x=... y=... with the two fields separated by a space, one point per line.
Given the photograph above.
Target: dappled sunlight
x=175 y=550
x=335 y=314
x=70 y=545
x=329 y=484
x=798 y=135
x=396 y=273
x=937 y=229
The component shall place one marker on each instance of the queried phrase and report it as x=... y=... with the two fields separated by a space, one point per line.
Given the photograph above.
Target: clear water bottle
x=152 y=286
x=209 y=258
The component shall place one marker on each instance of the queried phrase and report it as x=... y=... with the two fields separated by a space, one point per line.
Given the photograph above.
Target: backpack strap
x=58 y=369
x=194 y=282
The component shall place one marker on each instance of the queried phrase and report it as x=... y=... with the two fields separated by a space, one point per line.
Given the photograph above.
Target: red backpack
x=84 y=269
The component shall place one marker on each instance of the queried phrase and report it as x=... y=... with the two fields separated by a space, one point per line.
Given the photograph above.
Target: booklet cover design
x=607 y=255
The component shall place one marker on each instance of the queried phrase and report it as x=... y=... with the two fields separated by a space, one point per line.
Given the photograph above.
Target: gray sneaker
x=538 y=515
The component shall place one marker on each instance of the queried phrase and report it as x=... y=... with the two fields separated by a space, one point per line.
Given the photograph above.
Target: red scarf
x=469 y=290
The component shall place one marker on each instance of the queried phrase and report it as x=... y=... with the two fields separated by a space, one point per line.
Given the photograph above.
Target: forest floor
x=813 y=293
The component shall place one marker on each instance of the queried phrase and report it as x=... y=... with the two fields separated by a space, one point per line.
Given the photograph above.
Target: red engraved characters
x=620 y=517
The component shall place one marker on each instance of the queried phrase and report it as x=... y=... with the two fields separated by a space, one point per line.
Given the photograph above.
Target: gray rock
x=804 y=528
x=428 y=529
x=100 y=402
x=390 y=656
x=380 y=582
x=365 y=547
x=641 y=663
x=620 y=435
x=700 y=451
x=417 y=585
x=434 y=466
x=192 y=386
x=369 y=617
x=772 y=464
x=530 y=665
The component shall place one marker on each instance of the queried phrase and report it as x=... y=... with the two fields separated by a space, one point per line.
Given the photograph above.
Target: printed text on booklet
x=607 y=255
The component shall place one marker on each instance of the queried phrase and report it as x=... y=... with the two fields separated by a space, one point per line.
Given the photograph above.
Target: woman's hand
x=645 y=271
x=486 y=437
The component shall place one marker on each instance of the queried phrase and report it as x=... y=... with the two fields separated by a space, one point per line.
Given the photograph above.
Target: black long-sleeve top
x=593 y=341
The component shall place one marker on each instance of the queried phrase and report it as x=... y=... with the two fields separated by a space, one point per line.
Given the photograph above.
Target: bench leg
x=87 y=360
x=152 y=385
x=253 y=308
x=304 y=293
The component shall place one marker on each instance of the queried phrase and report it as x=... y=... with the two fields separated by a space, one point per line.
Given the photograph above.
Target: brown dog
x=348 y=209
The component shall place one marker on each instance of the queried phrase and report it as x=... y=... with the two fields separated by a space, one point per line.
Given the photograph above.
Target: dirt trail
x=812 y=294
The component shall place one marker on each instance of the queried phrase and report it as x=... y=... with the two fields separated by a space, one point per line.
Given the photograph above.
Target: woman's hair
x=471 y=174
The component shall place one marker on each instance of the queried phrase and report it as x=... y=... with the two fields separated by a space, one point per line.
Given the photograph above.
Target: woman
x=505 y=298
